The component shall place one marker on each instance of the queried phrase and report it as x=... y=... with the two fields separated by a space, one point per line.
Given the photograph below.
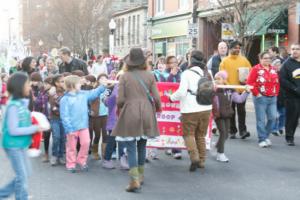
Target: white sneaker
x=54 y=161
x=168 y=152
x=177 y=156
x=268 y=142
x=222 y=158
x=262 y=144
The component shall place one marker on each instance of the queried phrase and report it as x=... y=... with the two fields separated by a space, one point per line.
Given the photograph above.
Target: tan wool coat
x=137 y=116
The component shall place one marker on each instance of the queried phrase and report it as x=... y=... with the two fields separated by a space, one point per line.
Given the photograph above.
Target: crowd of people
x=108 y=103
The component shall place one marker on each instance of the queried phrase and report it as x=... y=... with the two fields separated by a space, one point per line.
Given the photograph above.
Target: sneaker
x=281 y=132
x=62 y=161
x=268 y=142
x=54 y=161
x=177 y=156
x=193 y=166
x=45 y=158
x=275 y=133
x=72 y=170
x=124 y=163
x=153 y=153
x=245 y=134
x=168 y=152
x=84 y=168
x=221 y=157
x=232 y=136
x=262 y=144
x=290 y=142
x=108 y=164
x=114 y=156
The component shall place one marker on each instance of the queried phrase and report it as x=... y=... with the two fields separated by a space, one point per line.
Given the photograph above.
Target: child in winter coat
x=223 y=111
x=17 y=133
x=100 y=112
x=58 y=134
x=74 y=116
x=111 y=102
x=42 y=105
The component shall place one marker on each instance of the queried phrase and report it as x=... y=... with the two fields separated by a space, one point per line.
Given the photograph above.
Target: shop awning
x=273 y=20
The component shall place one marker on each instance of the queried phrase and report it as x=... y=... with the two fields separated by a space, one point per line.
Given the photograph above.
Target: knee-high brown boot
x=134 y=184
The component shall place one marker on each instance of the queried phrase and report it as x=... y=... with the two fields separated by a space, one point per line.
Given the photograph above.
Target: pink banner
x=168 y=120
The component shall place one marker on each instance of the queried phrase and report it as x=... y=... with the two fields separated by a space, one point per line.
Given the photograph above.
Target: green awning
x=273 y=20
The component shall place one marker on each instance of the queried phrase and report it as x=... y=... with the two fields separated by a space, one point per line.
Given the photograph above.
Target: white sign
x=227 y=32
x=193 y=31
x=298 y=13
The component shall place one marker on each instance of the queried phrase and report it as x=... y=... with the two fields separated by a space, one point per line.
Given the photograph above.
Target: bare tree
x=81 y=21
x=242 y=15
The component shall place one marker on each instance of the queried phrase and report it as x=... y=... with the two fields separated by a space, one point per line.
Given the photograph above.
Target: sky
x=9 y=9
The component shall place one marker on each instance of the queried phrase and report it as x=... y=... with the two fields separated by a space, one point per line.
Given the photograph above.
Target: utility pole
x=195 y=17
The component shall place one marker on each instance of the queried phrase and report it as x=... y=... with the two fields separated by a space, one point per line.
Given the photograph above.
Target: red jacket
x=4 y=97
x=265 y=81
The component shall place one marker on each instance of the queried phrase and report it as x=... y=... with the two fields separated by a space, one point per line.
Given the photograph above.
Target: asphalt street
x=252 y=174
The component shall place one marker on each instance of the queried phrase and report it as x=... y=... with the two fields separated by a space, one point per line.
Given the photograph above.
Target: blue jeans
x=265 y=109
x=280 y=121
x=58 y=137
x=111 y=146
x=136 y=152
x=21 y=167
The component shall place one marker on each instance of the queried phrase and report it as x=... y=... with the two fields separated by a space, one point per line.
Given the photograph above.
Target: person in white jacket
x=99 y=67
x=195 y=117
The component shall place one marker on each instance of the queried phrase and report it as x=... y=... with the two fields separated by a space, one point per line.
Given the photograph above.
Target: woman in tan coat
x=138 y=100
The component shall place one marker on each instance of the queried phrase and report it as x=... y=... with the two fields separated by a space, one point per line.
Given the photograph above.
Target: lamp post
x=9 y=29
x=112 y=27
x=60 y=39
x=41 y=43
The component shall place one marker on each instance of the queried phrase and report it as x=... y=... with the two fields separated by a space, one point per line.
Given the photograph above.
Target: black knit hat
x=198 y=59
x=36 y=76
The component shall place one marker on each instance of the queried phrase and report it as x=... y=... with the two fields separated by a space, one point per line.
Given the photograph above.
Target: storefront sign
x=276 y=31
x=169 y=29
x=227 y=31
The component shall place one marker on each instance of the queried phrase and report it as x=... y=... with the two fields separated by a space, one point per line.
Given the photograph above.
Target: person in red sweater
x=265 y=81
x=4 y=94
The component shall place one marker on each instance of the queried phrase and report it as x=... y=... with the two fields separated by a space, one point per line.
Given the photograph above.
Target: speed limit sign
x=193 y=30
